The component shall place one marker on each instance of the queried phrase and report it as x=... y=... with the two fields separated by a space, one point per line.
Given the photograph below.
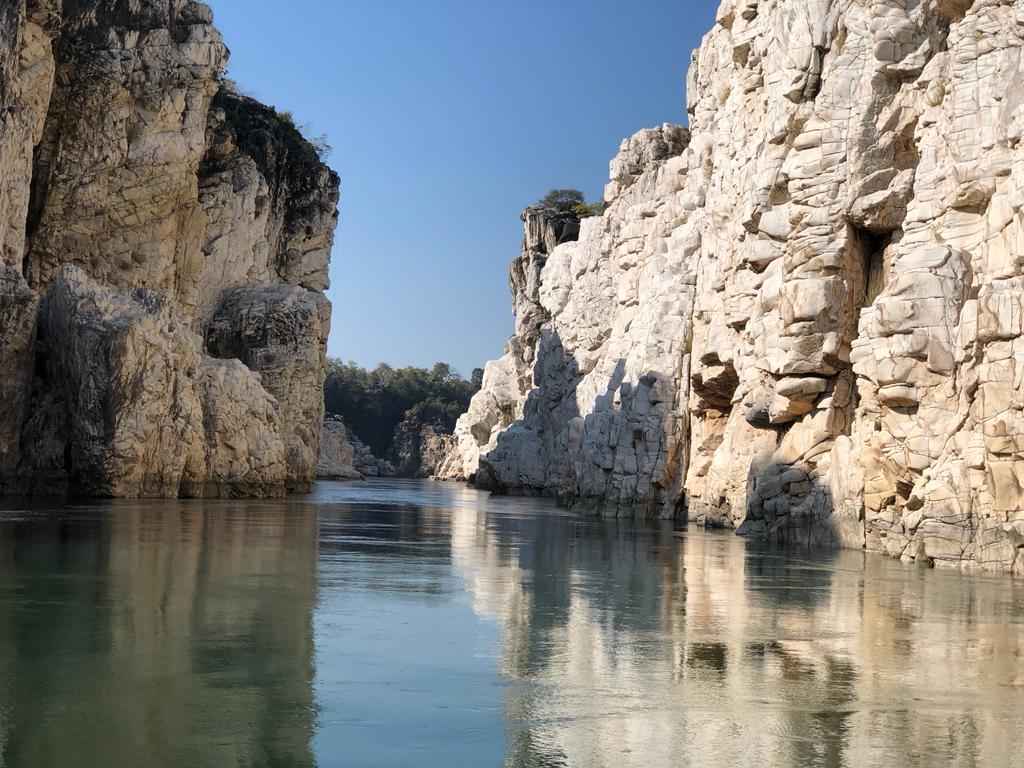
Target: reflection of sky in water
x=442 y=627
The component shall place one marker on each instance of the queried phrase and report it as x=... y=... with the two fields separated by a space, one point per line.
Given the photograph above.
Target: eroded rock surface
x=280 y=331
x=169 y=239
x=420 y=449
x=337 y=456
x=802 y=317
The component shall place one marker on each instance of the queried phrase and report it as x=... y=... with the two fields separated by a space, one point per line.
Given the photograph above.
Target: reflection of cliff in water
x=128 y=630
x=629 y=647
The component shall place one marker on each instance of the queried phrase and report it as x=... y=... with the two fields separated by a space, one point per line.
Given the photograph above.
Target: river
x=404 y=623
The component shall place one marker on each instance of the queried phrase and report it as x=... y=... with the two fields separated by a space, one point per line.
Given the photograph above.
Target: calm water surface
x=418 y=624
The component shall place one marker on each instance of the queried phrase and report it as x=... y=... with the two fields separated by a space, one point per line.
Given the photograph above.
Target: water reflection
x=406 y=623
x=157 y=635
x=631 y=647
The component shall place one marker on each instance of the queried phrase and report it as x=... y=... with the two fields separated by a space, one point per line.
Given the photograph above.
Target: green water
x=419 y=624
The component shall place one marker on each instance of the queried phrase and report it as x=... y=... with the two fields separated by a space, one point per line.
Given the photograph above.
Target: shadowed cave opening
x=872 y=246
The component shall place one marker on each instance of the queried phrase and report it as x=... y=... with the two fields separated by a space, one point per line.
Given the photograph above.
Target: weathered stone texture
x=18 y=306
x=337 y=455
x=280 y=331
x=146 y=206
x=420 y=449
x=802 y=318
x=125 y=369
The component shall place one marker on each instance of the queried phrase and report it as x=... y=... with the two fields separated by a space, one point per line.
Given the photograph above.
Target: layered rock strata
x=164 y=244
x=802 y=317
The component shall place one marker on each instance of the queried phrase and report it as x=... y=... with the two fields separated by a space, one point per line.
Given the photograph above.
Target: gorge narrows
x=744 y=486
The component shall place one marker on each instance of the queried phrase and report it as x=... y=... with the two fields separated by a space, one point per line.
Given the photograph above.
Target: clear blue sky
x=447 y=118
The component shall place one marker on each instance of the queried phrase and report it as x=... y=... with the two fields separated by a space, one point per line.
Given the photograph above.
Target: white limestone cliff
x=802 y=316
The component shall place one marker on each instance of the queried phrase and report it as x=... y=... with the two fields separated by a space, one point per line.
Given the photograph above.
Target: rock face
x=802 y=317
x=420 y=450
x=366 y=463
x=337 y=456
x=281 y=332
x=164 y=244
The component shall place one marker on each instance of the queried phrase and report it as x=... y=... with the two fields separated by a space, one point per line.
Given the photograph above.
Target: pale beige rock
x=124 y=367
x=337 y=456
x=280 y=331
x=243 y=447
x=26 y=82
x=825 y=278
x=152 y=206
x=595 y=415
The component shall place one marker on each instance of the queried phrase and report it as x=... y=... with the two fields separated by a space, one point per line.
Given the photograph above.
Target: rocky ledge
x=164 y=244
x=802 y=316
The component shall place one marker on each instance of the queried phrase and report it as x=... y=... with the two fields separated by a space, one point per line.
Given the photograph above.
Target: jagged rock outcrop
x=420 y=449
x=506 y=381
x=801 y=318
x=337 y=456
x=366 y=463
x=343 y=456
x=281 y=332
x=163 y=254
x=591 y=413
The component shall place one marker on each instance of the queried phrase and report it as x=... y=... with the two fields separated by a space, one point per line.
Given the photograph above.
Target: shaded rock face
x=280 y=331
x=800 y=318
x=366 y=463
x=163 y=254
x=420 y=450
x=18 y=306
x=337 y=455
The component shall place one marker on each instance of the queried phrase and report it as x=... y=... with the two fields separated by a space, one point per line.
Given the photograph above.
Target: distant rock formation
x=337 y=455
x=802 y=316
x=164 y=244
x=420 y=450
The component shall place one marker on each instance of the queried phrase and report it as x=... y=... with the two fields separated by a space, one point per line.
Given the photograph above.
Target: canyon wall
x=164 y=245
x=802 y=316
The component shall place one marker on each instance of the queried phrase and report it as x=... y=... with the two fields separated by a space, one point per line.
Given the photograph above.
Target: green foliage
x=319 y=142
x=585 y=210
x=373 y=403
x=562 y=199
x=570 y=201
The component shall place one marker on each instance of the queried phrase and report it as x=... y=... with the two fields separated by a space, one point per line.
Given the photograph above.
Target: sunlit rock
x=821 y=279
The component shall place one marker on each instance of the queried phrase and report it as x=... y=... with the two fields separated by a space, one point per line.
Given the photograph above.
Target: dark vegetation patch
x=373 y=403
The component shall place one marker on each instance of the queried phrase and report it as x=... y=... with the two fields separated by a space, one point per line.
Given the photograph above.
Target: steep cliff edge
x=802 y=317
x=164 y=245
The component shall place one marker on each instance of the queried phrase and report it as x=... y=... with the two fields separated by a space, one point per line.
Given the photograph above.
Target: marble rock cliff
x=164 y=244
x=801 y=316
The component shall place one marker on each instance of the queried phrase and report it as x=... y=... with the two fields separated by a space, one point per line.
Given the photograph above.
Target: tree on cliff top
x=562 y=199
x=570 y=201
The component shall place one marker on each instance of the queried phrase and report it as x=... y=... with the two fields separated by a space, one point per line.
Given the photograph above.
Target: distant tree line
x=373 y=402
